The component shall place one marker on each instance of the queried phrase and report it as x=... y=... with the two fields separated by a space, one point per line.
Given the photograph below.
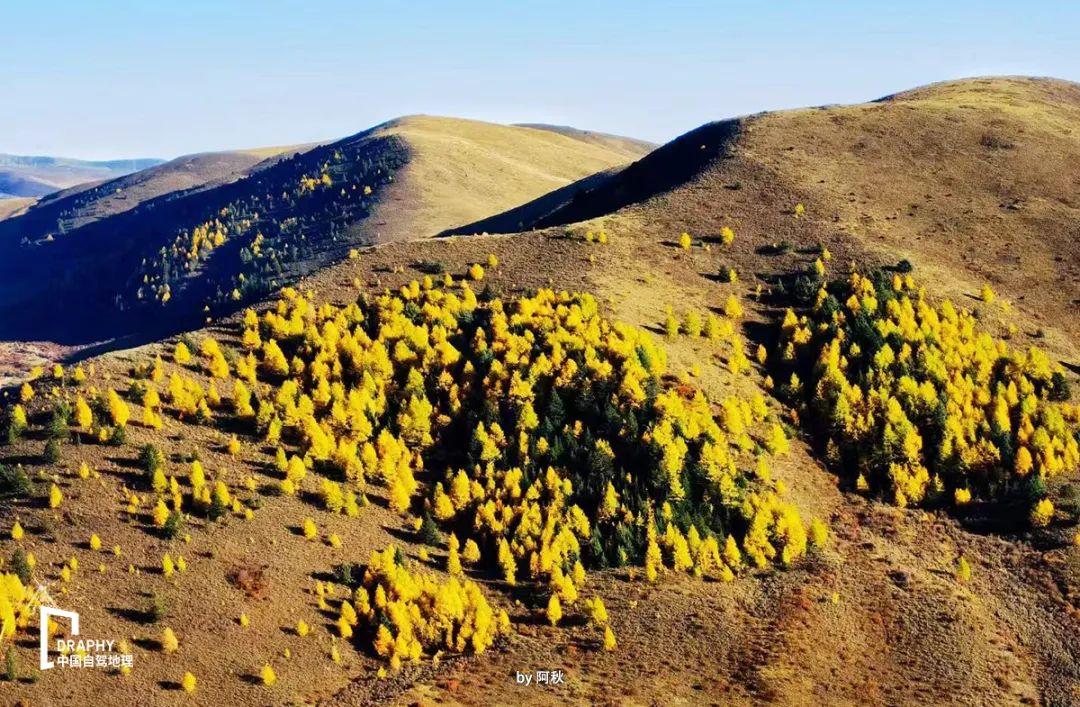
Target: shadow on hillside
x=603 y=193
x=521 y=218
x=660 y=171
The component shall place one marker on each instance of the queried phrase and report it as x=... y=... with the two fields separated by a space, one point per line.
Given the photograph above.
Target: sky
x=156 y=78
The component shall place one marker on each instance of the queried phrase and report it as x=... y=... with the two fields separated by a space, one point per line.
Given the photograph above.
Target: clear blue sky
x=119 y=78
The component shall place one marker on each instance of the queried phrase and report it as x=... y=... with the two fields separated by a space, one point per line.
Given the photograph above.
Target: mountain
x=950 y=602
x=630 y=146
x=22 y=176
x=102 y=261
x=972 y=181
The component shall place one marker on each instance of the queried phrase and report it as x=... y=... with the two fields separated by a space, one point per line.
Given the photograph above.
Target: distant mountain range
x=205 y=233
x=35 y=176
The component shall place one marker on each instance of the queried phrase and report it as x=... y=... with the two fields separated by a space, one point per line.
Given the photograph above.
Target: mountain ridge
x=269 y=220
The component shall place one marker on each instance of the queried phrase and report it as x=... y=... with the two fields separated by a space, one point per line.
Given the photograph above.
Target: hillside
x=22 y=176
x=631 y=146
x=974 y=181
x=461 y=170
x=14 y=206
x=471 y=407
x=72 y=208
x=217 y=230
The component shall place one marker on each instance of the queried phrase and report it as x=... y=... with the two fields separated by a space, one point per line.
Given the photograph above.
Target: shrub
x=173 y=524
x=963 y=570
x=806 y=288
x=431 y=267
x=1042 y=513
x=1059 y=387
x=429 y=531
x=118 y=436
x=14 y=482
x=151 y=459
x=157 y=608
x=347 y=574
x=58 y=422
x=51 y=453
x=20 y=565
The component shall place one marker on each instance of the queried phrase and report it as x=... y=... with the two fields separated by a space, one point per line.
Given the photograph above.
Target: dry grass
x=461 y=171
x=14 y=207
x=972 y=181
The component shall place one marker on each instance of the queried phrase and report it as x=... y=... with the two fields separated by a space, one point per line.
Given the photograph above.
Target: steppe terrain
x=961 y=185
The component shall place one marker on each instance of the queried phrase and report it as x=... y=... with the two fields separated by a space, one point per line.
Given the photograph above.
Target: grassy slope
x=463 y=170
x=973 y=181
x=14 y=206
x=901 y=630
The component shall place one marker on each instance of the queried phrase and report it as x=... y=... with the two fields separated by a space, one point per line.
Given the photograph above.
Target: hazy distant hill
x=22 y=176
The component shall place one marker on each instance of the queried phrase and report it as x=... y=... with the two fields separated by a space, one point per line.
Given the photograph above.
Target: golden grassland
x=438 y=463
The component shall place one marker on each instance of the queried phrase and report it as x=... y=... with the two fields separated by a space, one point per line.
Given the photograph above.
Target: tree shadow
x=137 y=616
x=125 y=462
x=148 y=644
x=407 y=536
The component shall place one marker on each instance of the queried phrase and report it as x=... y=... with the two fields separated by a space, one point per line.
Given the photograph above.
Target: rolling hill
x=22 y=176
x=969 y=181
x=974 y=181
x=215 y=230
